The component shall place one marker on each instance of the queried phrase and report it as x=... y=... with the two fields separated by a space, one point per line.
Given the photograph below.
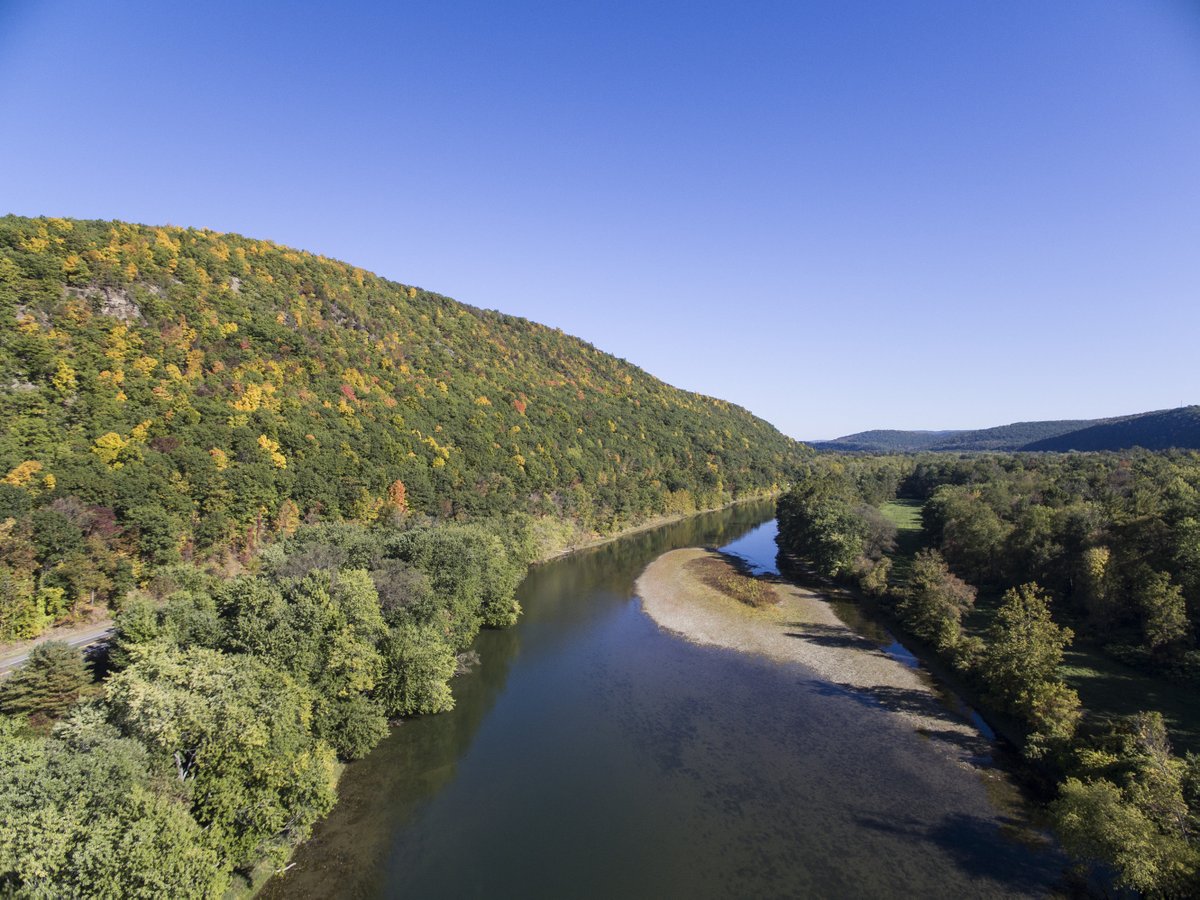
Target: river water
x=593 y=755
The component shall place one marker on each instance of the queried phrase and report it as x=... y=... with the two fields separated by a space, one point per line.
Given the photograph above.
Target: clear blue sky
x=842 y=215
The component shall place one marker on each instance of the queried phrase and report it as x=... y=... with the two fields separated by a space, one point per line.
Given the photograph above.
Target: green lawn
x=1109 y=686
x=906 y=516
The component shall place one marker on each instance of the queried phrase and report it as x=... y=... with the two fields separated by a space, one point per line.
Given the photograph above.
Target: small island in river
x=703 y=596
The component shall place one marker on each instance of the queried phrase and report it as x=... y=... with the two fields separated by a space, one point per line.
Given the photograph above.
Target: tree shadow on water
x=1000 y=850
x=893 y=699
x=974 y=747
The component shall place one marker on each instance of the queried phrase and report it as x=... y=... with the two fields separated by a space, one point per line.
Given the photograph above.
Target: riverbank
x=593 y=754
x=804 y=630
x=588 y=543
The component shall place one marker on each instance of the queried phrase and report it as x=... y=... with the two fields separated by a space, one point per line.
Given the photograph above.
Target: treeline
x=1106 y=543
x=214 y=742
x=176 y=394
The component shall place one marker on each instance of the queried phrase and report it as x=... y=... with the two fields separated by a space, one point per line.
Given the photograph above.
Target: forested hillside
x=174 y=393
x=1163 y=430
x=1001 y=438
x=885 y=440
x=1167 y=429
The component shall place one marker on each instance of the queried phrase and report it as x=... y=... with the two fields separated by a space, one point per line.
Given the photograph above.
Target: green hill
x=1010 y=437
x=1003 y=437
x=173 y=393
x=884 y=441
x=1161 y=430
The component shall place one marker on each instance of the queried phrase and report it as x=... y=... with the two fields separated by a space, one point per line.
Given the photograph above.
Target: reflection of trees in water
x=614 y=567
x=380 y=794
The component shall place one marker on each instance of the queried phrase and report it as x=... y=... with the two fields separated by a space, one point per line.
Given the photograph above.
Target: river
x=593 y=755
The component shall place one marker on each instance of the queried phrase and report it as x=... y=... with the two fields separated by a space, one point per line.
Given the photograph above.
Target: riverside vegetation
x=303 y=489
x=1023 y=553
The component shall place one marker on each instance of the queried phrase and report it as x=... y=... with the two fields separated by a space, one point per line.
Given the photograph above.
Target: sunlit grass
x=906 y=516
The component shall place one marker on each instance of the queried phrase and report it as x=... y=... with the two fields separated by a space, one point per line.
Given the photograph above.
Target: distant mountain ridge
x=1158 y=430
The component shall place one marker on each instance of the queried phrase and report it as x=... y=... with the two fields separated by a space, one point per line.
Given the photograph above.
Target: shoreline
x=803 y=630
x=648 y=525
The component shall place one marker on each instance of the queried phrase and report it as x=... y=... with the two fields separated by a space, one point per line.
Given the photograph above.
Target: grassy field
x=1106 y=685
x=906 y=516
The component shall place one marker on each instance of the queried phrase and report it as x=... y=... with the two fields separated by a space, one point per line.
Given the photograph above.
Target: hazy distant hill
x=1157 y=430
x=1016 y=436
x=885 y=441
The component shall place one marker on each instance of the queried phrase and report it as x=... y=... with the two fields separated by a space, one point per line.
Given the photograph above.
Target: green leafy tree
x=1164 y=611
x=820 y=521
x=934 y=601
x=1131 y=812
x=323 y=629
x=236 y=733
x=78 y=818
x=418 y=667
x=1019 y=665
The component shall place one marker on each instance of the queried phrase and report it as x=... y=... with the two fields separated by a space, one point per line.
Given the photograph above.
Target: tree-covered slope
x=166 y=392
x=1010 y=437
x=1001 y=437
x=1161 y=430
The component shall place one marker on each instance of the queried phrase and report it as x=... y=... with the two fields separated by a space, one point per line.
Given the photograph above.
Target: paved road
x=94 y=635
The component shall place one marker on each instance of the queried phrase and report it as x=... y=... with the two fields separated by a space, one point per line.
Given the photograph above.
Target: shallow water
x=593 y=755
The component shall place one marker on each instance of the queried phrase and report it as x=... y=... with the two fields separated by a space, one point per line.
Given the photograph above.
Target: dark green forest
x=1165 y=429
x=1021 y=556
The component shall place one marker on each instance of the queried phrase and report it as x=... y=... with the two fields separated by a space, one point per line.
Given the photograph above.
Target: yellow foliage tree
x=26 y=476
x=63 y=378
x=111 y=448
x=278 y=460
x=287 y=519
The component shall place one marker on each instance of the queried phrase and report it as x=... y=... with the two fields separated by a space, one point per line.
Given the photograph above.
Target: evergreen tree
x=50 y=682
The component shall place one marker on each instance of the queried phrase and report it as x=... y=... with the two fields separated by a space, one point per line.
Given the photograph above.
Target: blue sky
x=841 y=215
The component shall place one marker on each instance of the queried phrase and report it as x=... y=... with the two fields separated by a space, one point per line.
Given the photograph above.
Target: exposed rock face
x=110 y=301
